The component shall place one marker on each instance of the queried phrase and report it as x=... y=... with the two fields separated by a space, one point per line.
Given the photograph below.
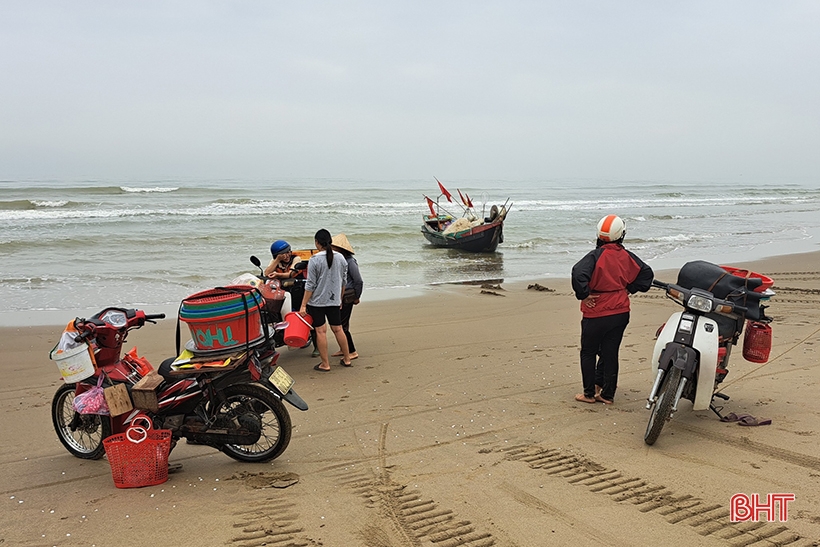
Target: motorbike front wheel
x=663 y=405
x=81 y=434
x=255 y=407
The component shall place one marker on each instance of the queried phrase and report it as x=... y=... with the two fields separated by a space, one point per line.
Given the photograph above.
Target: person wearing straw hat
x=353 y=289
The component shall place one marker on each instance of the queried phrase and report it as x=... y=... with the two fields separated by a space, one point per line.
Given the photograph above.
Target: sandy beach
x=456 y=426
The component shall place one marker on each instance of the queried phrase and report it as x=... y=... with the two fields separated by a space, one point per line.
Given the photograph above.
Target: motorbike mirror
x=255 y=261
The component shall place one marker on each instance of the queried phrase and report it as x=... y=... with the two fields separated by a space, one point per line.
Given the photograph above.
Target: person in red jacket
x=603 y=281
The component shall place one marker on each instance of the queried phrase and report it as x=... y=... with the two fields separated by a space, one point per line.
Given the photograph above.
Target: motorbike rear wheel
x=81 y=434
x=662 y=408
x=254 y=406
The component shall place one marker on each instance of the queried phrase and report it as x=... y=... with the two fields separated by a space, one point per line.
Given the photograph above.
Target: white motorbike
x=692 y=350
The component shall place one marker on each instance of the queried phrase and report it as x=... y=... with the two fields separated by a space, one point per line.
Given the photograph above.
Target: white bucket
x=75 y=364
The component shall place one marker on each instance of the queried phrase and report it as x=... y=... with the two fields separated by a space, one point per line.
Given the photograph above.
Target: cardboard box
x=117 y=399
x=144 y=392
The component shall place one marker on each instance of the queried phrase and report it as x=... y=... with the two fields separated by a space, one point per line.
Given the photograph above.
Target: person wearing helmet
x=602 y=281
x=282 y=261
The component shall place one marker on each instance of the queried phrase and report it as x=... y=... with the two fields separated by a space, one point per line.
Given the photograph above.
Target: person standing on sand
x=603 y=281
x=324 y=287
x=353 y=289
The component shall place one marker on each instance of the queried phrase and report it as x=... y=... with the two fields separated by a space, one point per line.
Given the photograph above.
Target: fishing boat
x=468 y=232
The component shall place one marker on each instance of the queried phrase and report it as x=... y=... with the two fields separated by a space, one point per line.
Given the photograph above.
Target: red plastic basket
x=138 y=457
x=757 y=342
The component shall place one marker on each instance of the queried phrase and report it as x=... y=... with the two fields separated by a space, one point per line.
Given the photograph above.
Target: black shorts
x=318 y=314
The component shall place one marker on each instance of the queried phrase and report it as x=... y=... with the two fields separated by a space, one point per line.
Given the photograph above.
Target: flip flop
x=320 y=369
x=340 y=354
x=581 y=398
x=751 y=420
x=342 y=362
x=732 y=417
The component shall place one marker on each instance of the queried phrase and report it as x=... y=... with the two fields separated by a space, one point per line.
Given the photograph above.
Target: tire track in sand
x=414 y=519
x=270 y=520
x=707 y=519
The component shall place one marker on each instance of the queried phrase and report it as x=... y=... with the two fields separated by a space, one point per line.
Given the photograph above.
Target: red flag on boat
x=444 y=191
x=430 y=205
x=469 y=201
x=464 y=201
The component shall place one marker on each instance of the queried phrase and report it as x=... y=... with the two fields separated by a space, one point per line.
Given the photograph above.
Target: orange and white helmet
x=611 y=228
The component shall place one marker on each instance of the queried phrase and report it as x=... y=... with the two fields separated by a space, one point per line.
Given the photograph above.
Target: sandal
x=732 y=417
x=342 y=362
x=751 y=420
x=320 y=369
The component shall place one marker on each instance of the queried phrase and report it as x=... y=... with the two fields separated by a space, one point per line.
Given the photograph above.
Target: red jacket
x=613 y=273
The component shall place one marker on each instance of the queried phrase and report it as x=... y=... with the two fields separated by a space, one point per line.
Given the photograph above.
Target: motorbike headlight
x=700 y=303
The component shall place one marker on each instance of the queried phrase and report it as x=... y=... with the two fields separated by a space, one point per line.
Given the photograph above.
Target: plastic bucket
x=219 y=302
x=297 y=332
x=225 y=332
x=75 y=364
x=223 y=318
x=757 y=342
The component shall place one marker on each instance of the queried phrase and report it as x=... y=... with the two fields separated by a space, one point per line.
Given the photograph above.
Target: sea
x=71 y=247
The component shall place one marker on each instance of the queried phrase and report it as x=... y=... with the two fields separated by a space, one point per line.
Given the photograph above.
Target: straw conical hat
x=340 y=241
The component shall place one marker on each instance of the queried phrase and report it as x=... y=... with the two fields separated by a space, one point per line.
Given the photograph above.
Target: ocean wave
x=155 y=189
x=16 y=205
x=654 y=201
x=46 y=203
x=32 y=204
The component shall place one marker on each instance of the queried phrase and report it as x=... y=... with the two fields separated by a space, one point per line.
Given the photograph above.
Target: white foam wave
x=155 y=189
x=44 y=203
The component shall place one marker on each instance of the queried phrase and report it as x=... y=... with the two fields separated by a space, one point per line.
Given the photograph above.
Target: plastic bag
x=67 y=340
x=92 y=401
x=247 y=279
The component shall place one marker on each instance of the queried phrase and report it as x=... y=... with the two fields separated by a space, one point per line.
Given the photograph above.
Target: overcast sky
x=396 y=90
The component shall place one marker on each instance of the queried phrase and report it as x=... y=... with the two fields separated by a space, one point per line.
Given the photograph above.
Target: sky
x=544 y=90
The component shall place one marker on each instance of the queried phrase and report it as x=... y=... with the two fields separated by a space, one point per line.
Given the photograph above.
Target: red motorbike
x=237 y=408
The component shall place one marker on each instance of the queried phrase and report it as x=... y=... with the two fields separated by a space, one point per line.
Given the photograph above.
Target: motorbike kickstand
x=718 y=409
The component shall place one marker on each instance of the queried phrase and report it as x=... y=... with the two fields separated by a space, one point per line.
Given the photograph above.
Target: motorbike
x=237 y=409
x=691 y=354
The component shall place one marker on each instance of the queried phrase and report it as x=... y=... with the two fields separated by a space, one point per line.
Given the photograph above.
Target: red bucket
x=757 y=342
x=297 y=332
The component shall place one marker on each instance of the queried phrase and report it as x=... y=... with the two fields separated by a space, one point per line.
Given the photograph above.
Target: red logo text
x=775 y=508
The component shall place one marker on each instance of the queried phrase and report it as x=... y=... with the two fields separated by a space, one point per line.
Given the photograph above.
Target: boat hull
x=481 y=239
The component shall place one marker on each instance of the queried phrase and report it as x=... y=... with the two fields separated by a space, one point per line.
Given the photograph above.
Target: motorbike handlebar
x=154 y=316
x=682 y=294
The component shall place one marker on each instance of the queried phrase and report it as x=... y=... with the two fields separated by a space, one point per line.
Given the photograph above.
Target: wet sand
x=456 y=426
